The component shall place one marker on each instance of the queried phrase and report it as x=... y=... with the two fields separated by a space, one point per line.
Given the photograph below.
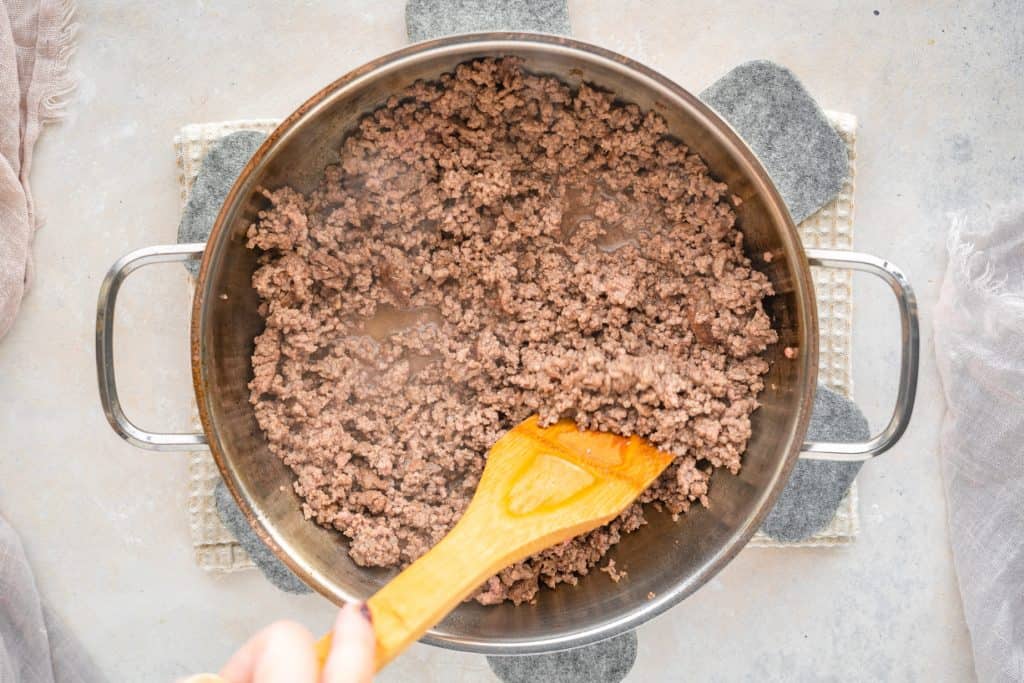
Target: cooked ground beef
x=492 y=245
x=613 y=572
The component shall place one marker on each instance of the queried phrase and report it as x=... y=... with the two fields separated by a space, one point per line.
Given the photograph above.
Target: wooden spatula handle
x=418 y=598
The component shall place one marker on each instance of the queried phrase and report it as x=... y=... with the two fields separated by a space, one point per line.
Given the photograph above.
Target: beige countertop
x=937 y=91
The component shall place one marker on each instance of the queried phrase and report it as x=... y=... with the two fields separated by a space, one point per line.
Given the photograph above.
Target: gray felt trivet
x=606 y=662
x=815 y=488
x=788 y=131
x=274 y=569
x=221 y=166
x=426 y=19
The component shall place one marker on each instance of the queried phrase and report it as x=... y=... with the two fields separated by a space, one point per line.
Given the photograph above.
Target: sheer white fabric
x=979 y=345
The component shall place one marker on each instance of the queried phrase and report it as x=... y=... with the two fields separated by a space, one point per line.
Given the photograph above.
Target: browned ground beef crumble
x=493 y=245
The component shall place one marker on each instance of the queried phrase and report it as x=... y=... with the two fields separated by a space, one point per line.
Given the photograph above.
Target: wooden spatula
x=541 y=486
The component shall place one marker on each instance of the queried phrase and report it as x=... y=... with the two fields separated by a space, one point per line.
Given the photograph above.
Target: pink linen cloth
x=36 y=41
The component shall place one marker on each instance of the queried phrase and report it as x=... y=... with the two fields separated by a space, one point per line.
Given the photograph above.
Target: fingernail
x=364 y=609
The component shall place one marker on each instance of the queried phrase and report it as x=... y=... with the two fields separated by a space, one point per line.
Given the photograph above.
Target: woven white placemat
x=832 y=226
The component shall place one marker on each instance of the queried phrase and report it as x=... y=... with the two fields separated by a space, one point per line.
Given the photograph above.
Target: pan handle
x=121 y=269
x=828 y=258
x=907 y=302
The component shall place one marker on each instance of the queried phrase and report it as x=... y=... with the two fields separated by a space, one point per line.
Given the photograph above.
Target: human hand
x=283 y=653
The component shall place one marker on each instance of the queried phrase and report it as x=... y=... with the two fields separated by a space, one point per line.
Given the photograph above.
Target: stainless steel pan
x=665 y=559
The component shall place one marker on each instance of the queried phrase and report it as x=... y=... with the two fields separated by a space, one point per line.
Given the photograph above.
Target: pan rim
x=676 y=96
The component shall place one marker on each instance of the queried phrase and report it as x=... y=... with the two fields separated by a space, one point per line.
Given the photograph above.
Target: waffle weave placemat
x=831 y=227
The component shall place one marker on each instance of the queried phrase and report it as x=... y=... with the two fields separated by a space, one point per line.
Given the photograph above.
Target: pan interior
x=667 y=559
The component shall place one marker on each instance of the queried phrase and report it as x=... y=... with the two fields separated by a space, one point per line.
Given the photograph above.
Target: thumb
x=351 y=659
